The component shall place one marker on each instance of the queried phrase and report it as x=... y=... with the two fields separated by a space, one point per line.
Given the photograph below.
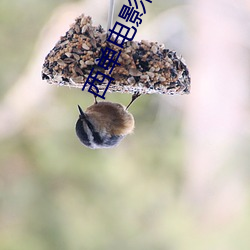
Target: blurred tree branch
x=29 y=93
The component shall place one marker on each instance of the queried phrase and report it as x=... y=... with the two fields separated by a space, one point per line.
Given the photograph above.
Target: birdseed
x=146 y=67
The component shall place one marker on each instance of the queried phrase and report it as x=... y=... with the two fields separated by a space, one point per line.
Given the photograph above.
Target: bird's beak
x=82 y=115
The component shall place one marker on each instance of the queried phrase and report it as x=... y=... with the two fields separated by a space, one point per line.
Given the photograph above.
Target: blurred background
x=180 y=182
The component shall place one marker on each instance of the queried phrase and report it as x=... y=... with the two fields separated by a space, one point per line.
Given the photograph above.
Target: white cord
x=110 y=14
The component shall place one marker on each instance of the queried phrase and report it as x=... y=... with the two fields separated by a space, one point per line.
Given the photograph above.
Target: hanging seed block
x=146 y=67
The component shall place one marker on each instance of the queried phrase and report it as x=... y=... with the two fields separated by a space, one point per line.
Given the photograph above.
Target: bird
x=104 y=124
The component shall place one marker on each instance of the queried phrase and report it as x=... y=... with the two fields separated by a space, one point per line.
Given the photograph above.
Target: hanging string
x=110 y=14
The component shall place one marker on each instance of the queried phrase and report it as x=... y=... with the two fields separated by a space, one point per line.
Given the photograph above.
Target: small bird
x=104 y=124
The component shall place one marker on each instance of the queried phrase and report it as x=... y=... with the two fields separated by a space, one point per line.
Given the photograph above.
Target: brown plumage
x=104 y=125
x=111 y=117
